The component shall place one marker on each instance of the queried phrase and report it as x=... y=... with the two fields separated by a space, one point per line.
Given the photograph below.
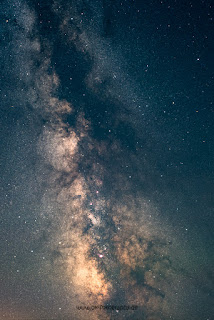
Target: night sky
x=106 y=159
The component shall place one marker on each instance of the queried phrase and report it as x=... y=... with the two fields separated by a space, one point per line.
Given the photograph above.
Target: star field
x=106 y=160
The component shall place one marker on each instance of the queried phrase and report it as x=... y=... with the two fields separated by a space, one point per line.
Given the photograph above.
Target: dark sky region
x=106 y=167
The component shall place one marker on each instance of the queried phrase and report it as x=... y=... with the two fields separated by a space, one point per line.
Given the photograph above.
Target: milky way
x=100 y=239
